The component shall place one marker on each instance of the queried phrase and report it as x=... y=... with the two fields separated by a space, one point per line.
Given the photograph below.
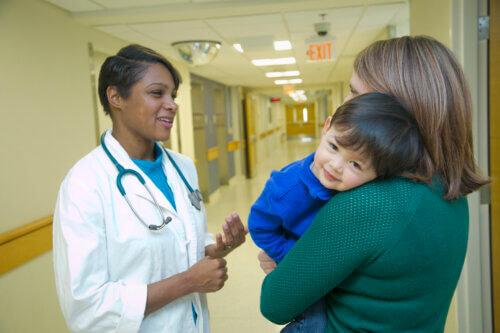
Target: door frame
x=474 y=288
x=494 y=123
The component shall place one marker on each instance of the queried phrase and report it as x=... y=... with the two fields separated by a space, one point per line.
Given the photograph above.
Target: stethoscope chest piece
x=194 y=195
x=195 y=198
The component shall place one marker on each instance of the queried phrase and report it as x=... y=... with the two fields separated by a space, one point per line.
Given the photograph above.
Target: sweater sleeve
x=348 y=232
x=265 y=224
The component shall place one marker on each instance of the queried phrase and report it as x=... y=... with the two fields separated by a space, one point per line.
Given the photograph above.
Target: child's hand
x=266 y=262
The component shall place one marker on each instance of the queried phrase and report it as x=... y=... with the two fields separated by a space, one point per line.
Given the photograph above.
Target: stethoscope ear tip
x=158 y=227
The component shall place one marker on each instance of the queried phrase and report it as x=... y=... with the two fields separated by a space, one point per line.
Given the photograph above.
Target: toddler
x=369 y=137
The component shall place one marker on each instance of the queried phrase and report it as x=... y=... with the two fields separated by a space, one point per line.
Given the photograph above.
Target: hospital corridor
x=236 y=307
x=124 y=123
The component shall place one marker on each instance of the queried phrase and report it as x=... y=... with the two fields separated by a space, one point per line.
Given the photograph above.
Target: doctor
x=129 y=256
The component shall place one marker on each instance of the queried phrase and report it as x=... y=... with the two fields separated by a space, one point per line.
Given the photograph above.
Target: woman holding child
x=386 y=256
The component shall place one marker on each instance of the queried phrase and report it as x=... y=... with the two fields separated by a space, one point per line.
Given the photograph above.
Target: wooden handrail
x=22 y=244
x=25 y=229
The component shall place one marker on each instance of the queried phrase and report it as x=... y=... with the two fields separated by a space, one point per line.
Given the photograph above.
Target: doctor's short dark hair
x=382 y=129
x=127 y=67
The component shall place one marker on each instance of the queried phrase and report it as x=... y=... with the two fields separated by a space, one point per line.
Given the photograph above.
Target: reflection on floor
x=236 y=307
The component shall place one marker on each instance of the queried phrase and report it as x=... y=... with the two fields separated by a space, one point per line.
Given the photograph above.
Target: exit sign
x=320 y=51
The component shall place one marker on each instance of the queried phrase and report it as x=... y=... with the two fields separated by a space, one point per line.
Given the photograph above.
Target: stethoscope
x=194 y=195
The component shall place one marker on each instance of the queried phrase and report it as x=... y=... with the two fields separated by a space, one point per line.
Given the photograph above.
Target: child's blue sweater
x=286 y=207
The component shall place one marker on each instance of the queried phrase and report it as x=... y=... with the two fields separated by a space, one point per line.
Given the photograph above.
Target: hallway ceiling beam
x=202 y=11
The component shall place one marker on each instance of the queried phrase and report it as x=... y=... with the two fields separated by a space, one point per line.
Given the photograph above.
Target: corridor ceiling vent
x=197 y=52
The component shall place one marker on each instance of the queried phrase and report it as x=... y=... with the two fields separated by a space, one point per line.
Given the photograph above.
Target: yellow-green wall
x=47 y=124
x=433 y=18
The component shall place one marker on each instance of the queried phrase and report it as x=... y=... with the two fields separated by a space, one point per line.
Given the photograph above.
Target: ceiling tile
x=76 y=5
x=116 y=4
x=343 y=70
x=341 y=19
x=379 y=16
x=169 y=32
x=235 y=28
x=361 y=39
x=352 y=28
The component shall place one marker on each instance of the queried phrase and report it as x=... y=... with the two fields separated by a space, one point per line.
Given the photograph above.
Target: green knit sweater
x=386 y=256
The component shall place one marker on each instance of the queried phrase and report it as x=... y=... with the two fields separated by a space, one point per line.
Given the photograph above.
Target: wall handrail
x=22 y=244
x=25 y=229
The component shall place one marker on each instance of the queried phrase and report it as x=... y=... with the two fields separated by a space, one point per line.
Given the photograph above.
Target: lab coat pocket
x=132 y=246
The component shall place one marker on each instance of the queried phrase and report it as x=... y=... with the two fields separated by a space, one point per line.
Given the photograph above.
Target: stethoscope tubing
x=123 y=172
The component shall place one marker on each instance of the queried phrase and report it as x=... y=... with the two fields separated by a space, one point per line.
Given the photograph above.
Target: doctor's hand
x=233 y=235
x=266 y=262
x=207 y=275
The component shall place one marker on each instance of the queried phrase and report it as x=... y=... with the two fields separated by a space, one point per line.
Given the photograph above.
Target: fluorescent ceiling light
x=275 y=61
x=298 y=95
x=292 y=81
x=281 y=74
x=238 y=47
x=282 y=45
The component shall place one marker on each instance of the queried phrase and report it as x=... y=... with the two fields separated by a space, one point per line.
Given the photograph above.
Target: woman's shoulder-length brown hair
x=426 y=78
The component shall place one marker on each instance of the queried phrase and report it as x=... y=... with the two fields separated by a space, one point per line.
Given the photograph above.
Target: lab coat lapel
x=131 y=184
x=183 y=204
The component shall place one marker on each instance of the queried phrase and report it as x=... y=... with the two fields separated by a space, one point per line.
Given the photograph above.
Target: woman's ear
x=326 y=126
x=114 y=98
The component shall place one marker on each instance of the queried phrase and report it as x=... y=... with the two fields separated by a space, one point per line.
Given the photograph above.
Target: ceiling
x=255 y=24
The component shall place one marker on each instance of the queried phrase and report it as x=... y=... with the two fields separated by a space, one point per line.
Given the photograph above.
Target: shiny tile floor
x=236 y=307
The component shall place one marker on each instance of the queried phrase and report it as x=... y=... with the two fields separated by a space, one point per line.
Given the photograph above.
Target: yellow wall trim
x=25 y=243
x=212 y=153
x=268 y=133
x=233 y=146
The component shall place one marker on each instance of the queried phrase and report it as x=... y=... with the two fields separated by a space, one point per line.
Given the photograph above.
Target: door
x=494 y=123
x=221 y=133
x=200 y=147
x=300 y=120
x=250 y=135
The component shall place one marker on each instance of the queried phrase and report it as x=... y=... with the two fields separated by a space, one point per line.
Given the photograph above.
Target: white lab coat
x=104 y=257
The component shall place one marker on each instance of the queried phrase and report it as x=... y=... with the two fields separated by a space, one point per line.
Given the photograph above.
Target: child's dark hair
x=127 y=67
x=381 y=129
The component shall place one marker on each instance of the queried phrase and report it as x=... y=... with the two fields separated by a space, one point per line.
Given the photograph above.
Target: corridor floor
x=236 y=307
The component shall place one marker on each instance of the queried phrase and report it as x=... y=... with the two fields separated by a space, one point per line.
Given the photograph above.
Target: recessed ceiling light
x=281 y=74
x=292 y=81
x=238 y=47
x=298 y=95
x=282 y=45
x=275 y=61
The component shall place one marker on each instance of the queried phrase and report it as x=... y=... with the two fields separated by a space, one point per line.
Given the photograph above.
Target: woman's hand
x=266 y=262
x=207 y=275
x=233 y=235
